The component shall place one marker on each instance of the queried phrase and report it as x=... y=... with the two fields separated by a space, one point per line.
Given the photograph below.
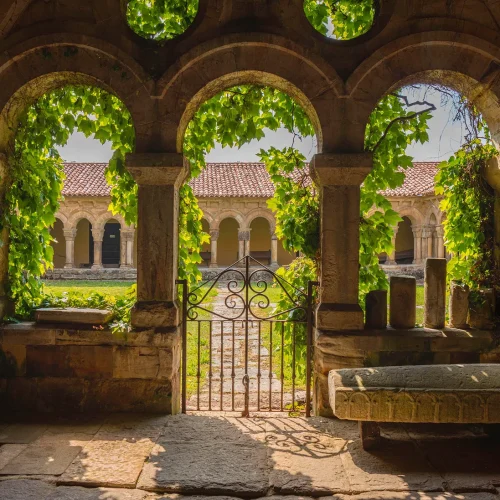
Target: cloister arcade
x=338 y=84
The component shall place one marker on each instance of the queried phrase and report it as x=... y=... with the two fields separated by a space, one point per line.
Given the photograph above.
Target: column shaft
x=69 y=236
x=339 y=177
x=214 y=235
x=123 y=249
x=274 y=250
x=159 y=177
x=97 y=234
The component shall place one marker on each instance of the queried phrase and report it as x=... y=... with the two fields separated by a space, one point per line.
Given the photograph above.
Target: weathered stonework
x=65 y=370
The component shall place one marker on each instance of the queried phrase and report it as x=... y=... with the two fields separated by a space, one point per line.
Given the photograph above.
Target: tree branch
x=430 y=107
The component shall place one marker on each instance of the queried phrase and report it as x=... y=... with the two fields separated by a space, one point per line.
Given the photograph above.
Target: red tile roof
x=225 y=180
x=85 y=179
x=419 y=181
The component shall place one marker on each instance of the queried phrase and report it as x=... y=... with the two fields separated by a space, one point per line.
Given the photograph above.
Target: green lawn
x=115 y=288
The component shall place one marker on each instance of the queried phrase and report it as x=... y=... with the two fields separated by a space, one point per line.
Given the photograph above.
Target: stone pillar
x=159 y=176
x=403 y=307
x=459 y=304
x=214 y=236
x=376 y=309
x=6 y=306
x=417 y=244
x=430 y=243
x=426 y=235
x=243 y=243
x=69 y=236
x=435 y=293
x=391 y=259
x=130 y=248
x=126 y=248
x=97 y=234
x=440 y=242
x=274 y=250
x=338 y=177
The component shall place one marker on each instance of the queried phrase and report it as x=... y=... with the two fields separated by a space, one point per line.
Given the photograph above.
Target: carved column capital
x=214 y=234
x=98 y=233
x=155 y=169
x=244 y=235
x=348 y=169
x=69 y=234
x=440 y=231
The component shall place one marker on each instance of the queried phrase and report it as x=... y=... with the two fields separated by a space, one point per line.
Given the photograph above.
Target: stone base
x=390 y=347
x=107 y=274
x=155 y=314
x=339 y=317
x=415 y=270
x=64 y=370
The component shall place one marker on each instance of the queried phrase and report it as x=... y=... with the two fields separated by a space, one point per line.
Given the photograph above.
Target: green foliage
x=349 y=18
x=468 y=201
x=37 y=177
x=294 y=280
x=391 y=129
x=161 y=19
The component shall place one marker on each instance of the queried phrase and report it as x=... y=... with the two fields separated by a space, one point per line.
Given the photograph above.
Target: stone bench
x=461 y=394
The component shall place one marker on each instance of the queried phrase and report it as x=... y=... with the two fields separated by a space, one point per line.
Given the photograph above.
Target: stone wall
x=74 y=370
x=92 y=274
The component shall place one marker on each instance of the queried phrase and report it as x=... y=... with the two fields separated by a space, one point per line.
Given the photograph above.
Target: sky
x=445 y=136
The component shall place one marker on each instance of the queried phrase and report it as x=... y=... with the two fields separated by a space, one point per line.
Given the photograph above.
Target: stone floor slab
x=414 y=495
x=397 y=466
x=51 y=459
x=306 y=463
x=10 y=451
x=24 y=489
x=21 y=433
x=212 y=467
x=80 y=493
x=108 y=463
x=466 y=464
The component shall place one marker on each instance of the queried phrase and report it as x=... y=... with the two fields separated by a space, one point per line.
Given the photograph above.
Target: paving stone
x=50 y=458
x=195 y=428
x=130 y=425
x=80 y=493
x=214 y=467
x=306 y=463
x=21 y=433
x=397 y=466
x=24 y=489
x=10 y=451
x=466 y=464
x=413 y=495
x=112 y=462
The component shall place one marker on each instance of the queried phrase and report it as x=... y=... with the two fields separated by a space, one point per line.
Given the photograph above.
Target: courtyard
x=146 y=457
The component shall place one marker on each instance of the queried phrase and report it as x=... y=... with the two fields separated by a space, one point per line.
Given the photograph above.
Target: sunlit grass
x=109 y=287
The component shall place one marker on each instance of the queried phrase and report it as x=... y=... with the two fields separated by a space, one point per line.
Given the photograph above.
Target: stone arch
x=209 y=218
x=76 y=217
x=248 y=59
x=229 y=214
x=415 y=216
x=102 y=219
x=64 y=219
x=432 y=211
x=465 y=63
x=265 y=214
x=79 y=60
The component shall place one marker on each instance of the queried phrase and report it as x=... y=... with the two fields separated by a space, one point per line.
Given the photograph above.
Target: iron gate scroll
x=239 y=353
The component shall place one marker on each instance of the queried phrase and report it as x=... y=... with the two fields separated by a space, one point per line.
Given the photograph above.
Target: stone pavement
x=145 y=457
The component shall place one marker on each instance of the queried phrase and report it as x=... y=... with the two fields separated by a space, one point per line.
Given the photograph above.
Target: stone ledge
x=70 y=315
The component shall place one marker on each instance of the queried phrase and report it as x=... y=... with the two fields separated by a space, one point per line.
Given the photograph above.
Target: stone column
x=159 y=176
x=126 y=248
x=435 y=293
x=430 y=243
x=426 y=246
x=97 y=234
x=339 y=177
x=69 y=236
x=274 y=250
x=403 y=306
x=440 y=242
x=243 y=243
x=214 y=236
x=391 y=259
x=417 y=244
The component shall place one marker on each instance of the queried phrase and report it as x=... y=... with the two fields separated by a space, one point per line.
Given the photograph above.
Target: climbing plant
x=468 y=201
x=231 y=118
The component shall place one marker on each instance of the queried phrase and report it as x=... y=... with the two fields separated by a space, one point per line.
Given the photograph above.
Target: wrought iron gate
x=241 y=353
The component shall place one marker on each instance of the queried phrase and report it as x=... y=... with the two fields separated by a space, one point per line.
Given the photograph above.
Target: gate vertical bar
x=246 y=379
x=309 y=344
x=183 y=283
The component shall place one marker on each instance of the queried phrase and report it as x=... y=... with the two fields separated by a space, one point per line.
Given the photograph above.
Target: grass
x=111 y=287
